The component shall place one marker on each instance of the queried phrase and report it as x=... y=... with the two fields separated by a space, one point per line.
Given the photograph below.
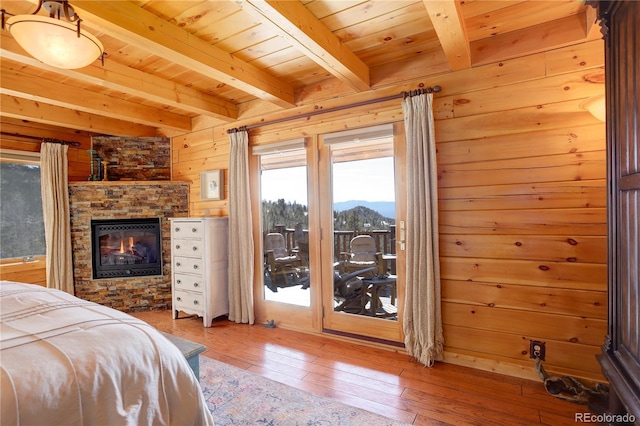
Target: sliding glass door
x=330 y=224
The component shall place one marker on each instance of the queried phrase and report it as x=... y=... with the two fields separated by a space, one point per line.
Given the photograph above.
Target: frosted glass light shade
x=54 y=42
x=597 y=107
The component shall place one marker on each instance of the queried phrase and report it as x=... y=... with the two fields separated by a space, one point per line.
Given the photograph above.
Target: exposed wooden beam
x=19 y=84
x=43 y=131
x=535 y=39
x=294 y=22
x=447 y=20
x=125 y=79
x=131 y=24
x=25 y=109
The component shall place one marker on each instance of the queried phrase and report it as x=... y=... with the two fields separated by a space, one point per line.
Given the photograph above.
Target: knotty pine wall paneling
x=78 y=157
x=198 y=152
x=523 y=220
x=521 y=169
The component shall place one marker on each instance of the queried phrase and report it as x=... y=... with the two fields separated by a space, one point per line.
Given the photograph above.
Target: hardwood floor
x=381 y=381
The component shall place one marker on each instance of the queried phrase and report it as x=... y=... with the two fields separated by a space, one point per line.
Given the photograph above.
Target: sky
x=369 y=180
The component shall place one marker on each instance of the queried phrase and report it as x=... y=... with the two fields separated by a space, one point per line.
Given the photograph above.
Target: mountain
x=385 y=208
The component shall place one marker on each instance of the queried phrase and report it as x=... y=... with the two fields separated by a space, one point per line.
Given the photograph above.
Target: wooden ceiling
x=173 y=64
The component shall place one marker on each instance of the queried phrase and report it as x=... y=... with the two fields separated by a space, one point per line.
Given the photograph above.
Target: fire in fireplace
x=126 y=247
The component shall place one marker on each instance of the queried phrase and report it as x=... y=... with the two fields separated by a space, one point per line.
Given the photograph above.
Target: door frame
x=350 y=325
x=302 y=318
x=319 y=317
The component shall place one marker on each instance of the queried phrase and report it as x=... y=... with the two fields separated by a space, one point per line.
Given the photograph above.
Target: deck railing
x=385 y=239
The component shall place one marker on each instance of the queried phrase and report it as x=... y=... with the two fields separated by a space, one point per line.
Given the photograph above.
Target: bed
x=65 y=360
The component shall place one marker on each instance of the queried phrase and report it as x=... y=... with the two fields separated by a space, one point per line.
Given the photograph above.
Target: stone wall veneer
x=123 y=200
x=134 y=159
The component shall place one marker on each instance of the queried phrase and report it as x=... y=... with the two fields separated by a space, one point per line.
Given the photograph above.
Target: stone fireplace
x=99 y=201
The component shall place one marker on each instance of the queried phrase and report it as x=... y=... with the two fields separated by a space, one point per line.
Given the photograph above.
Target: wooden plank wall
x=523 y=218
x=521 y=169
x=79 y=167
x=198 y=152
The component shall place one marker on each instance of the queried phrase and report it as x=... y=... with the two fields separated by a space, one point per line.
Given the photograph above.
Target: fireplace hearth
x=126 y=247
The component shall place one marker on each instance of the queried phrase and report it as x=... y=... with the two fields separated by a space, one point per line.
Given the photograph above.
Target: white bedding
x=68 y=361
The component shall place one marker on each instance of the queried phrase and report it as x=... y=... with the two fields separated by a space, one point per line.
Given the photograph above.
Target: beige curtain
x=240 y=231
x=55 y=210
x=422 y=314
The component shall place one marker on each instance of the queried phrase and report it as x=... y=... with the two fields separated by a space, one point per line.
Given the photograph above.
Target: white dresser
x=199 y=277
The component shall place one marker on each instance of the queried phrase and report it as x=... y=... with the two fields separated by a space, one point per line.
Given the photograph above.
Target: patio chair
x=280 y=263
x=363 y=254
x=350 y=292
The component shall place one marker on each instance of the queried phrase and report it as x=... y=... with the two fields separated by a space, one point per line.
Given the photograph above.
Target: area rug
x=239 y=397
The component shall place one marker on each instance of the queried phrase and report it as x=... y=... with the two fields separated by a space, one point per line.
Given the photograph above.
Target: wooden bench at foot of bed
x=189 y=349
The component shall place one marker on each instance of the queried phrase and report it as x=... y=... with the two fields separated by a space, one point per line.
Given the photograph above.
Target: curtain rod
x=50 y=140
x=403 y=95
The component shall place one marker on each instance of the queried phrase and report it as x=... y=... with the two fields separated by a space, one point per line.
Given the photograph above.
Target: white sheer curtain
x=424 y=338
x=54 y=177
x=240 y=231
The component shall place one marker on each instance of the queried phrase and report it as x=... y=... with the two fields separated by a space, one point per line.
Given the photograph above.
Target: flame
x=129 y=248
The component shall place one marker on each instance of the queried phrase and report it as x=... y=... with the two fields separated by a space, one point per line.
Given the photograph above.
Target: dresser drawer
x=189 y=248
x=189 y=282
x=188 y=265
x=188 y=302
x=186 y=229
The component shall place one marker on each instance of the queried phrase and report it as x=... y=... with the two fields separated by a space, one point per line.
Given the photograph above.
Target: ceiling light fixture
x=62 y=44
x=597 y=107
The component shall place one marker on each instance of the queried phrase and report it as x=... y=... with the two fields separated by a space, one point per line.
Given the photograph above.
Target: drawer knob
x=196 y=285
x=195 y=266
x=194 y=229
x=177 y=246
x=195 y=248
x=179 y=299
x=177 y=229
x=195 y=302
x=178 y=264
x=178 y=281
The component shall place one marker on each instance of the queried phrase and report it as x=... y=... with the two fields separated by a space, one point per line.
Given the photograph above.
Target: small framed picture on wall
x=212 y=185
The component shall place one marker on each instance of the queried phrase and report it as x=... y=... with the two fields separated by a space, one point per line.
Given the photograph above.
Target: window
x=21 y=220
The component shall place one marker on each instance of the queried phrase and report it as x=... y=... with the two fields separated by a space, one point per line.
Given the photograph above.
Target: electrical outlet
x=537 y=350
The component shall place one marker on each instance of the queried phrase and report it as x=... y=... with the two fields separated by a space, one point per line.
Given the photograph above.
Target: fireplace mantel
x=127 y=182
